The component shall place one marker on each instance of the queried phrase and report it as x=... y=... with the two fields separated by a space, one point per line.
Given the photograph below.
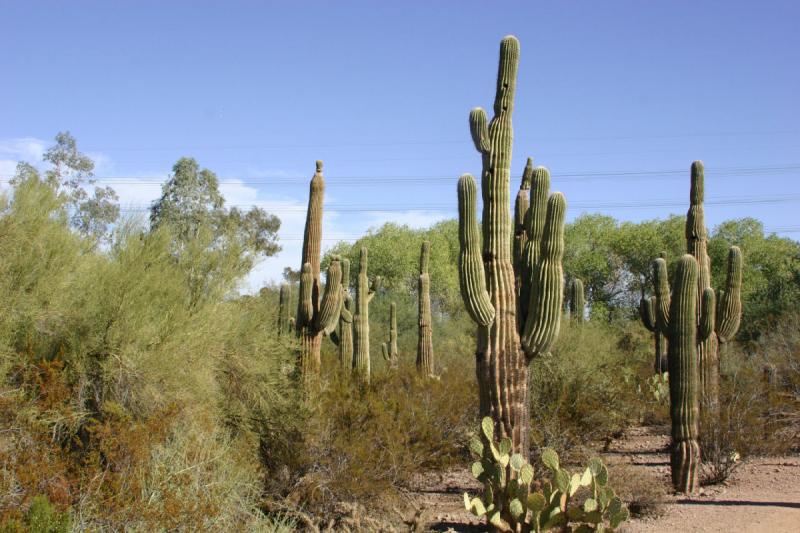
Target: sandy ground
x=763 y=495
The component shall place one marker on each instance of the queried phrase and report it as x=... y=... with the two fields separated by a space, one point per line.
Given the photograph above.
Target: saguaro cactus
x=521 y=205
x=344 y=338
x=425 y=337
x=364 y=294
x=389 y=349
x=316 y=317
x=508 y=341
x=730 y=300
x=686 y=324
x=647 y=312
x=284 y=296
x=577 y=303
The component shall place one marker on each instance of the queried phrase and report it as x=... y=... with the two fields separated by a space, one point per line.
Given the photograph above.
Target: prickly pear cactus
x=389 y=350
x=364 y=294
x=509 y=502
x=509 y=335
x=425 y=337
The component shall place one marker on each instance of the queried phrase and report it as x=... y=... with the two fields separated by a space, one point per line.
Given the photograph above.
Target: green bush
x=586 y=390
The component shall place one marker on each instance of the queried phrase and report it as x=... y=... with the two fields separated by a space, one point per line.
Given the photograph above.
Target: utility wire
x=761 y=171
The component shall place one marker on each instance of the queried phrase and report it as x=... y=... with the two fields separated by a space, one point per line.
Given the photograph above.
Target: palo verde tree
x=70 y=175
x=508 y=339
x=215 y=246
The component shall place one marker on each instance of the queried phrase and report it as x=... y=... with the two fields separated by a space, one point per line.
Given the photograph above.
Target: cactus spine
x=284 y=296
x=389 y=349
x=507 y=342
x=577 y=304
x=689 y=322
x=364 y=294
x=344 y=338
x=316 y=317
x=730 y=299
x=425 y=336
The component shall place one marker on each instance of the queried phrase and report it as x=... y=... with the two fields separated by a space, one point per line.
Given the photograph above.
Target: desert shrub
x=759 y=397
x=121 y=397
x=41 y=517
x=642 y=491
x=362 y=443
x=584 y=391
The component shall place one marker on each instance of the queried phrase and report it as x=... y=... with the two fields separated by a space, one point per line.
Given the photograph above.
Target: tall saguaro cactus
x=687 y=320
x=389 y=349
x=577 y=303
x=316 y=316
x=284 y=296
x=508 y=340
x=425 y=337
x=344 y=338
x=730 y=299
x=364 y=294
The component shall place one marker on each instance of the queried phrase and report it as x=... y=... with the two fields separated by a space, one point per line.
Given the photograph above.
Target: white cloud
x=14 y=151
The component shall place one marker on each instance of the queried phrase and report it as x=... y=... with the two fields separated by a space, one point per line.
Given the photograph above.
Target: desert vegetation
x=142 y=391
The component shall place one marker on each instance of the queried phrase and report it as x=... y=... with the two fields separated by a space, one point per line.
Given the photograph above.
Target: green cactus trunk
x=690 y=321
x=344 y=338
x=647 y=312
x=425 y=336
x=389 y=349
x=521 y=207
x=284 y=296
x=577 y=303
x=506 y=341
x=730 y=309
x=315 y=317
x=364 y=294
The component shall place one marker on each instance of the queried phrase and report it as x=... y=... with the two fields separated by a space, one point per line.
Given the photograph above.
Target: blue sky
x=616 y=98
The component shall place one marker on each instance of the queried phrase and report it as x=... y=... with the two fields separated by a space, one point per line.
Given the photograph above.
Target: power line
x=412 y=142
x=354 y=208
x=405 y=179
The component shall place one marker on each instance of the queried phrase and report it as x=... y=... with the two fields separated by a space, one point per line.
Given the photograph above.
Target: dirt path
x=763 y=495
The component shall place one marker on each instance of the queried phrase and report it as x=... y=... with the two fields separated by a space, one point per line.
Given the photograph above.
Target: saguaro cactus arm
x=471 y=275
x=521 y=205
x=729 y=310
x=305 y=309
x=478 y=127
x=707 y=314
x=331 y=305
x=547 y=296
x=661 y=287
x=647 y=311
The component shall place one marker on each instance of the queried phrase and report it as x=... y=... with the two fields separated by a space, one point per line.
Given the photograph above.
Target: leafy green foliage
x=128 y=403
x=586 y=389
x=216 y=246
x=70 y=175
x=581 y=502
